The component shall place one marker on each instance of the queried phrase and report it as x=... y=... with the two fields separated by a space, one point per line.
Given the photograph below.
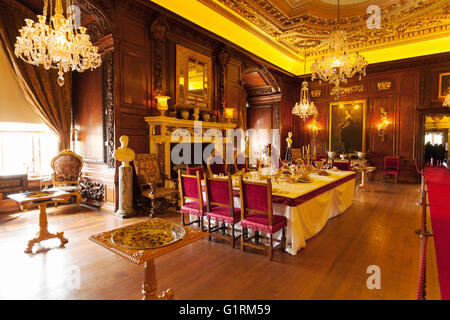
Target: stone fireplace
x=166 y=132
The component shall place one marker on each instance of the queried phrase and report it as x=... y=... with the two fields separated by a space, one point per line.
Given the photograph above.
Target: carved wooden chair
x=193 y=171
x=257 y=214
x=216 y=165
x=191 y=198
x=240 y=162
x=220 y=207
x=66 y=174
x=391 y=167
x=296 y=154
x=155 y=189
x=342 y=165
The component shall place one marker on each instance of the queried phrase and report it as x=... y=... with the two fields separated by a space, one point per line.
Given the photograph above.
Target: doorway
x=435 y=139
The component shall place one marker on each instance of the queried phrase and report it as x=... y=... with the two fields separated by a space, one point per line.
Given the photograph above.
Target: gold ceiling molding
x=290 y=23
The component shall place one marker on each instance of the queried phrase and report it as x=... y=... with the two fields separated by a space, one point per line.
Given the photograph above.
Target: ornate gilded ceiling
x=292 y=24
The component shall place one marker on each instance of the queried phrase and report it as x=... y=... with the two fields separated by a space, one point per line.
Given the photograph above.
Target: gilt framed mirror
x=193 y=79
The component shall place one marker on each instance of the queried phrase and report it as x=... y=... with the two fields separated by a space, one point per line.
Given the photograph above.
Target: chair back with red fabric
x=319 y=157
x=190 y=188
x=256 y=197
x=240 y=162
x=193 y=171
x=391 y=163
x=345 y=166
x=216 y=165
x=219 y=191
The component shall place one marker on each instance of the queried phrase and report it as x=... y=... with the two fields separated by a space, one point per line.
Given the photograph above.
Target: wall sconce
x=162 y=104
x=229 y=112
x=383 y=125
x=314 y=127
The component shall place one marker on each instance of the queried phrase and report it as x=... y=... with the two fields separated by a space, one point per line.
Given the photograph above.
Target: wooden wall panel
x=134 y=81
x=406 y=126
x=88 y=101
x=233 y=89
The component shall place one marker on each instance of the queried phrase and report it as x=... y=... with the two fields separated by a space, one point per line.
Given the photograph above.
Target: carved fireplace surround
x=161 y=135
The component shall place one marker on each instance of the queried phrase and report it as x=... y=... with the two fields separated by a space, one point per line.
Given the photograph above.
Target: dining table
x=306 y=205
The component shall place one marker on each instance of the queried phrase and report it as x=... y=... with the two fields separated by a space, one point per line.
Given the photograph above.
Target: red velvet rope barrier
x=421 y=292
x=421 y=285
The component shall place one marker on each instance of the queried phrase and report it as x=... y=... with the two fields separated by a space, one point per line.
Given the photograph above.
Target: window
x=26 y=147
x=434 y=138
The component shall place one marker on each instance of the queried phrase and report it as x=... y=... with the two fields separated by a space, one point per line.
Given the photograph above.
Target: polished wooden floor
x=377 y=230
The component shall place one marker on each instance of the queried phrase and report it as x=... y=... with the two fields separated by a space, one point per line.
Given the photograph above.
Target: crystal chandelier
x=305 y=107
x=337 y=66
x=56 y=42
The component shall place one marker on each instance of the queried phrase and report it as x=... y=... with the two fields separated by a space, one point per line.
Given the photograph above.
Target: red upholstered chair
x=391 y=167
x=240 y=162
x=220 y=207
x=345 y=166
x=296 y=154
x=216 y=165
x=190 y=189
x=193 y=171
x=257 y=214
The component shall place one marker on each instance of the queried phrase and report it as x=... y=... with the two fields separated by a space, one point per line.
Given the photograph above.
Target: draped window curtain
x=52 y=103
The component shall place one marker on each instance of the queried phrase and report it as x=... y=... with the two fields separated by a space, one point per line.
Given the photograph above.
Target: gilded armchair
x=66 y=174
x=155 y=189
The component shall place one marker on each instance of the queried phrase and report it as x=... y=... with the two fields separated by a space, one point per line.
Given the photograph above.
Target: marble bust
x=123 y=153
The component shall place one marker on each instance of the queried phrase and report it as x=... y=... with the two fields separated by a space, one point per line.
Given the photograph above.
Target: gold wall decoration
x=384 y=85
x=316 y=93
x=352 y=89
x=383 y=125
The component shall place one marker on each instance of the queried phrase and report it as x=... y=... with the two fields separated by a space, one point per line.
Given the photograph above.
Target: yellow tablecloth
x=309 y=218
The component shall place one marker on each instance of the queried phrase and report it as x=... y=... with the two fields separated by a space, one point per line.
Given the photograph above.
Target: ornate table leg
x=43 y=233
x=150 y=285
x=363 y=186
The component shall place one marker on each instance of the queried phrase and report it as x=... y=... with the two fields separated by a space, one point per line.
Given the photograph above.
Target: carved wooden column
x=158 y=32
x=224 y=57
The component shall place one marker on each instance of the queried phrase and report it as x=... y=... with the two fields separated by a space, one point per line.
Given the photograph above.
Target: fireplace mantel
x=161 y=129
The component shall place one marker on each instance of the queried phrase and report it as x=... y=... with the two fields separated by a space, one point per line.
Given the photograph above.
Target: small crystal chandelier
x=338 y=65
x=56 y=42
x=305 y=107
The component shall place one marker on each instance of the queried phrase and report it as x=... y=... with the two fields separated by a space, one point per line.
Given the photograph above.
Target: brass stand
x=43 y=233
x=363 y=186
x=150 y=285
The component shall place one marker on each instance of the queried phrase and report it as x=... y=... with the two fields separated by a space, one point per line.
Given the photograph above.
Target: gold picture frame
x=193 y=79
x=444 y=85
x=347 y=126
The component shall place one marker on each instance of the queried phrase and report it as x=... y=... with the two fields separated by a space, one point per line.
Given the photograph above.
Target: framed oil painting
x=444 y=84
x=347 y=126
